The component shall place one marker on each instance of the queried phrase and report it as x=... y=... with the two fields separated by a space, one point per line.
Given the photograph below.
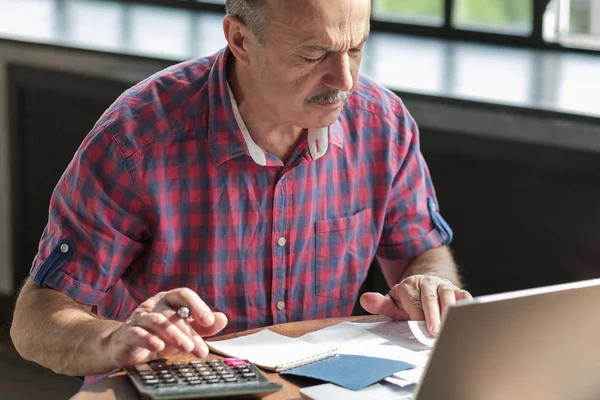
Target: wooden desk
x=118 y=386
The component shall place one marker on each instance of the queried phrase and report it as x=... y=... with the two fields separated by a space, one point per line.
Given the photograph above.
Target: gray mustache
x=330 y=97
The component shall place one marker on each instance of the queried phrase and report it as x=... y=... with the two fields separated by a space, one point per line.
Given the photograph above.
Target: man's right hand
x=155 y=330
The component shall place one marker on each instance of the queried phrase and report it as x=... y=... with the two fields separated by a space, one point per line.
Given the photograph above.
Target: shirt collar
x=228 y=136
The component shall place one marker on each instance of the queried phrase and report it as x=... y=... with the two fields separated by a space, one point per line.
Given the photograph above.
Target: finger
x=140 y=337
x=166 y=330
x=187 y=297
x=447 y=296
x=376 y=303
x=463 y=295
x=409 y=295
x=431 y=308
x=200 y=349
x=216 y=327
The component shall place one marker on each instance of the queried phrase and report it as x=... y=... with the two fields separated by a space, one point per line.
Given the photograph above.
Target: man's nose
x=339 y=73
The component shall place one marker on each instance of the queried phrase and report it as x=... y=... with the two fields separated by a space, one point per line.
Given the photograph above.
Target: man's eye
x=314 y=60
x=356 y=51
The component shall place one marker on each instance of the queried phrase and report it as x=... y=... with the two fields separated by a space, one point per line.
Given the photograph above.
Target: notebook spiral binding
x=307 y=360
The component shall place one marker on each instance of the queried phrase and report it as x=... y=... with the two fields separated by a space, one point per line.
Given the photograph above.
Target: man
x=253 y=186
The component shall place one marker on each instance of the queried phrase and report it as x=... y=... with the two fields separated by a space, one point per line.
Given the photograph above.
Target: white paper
x=390 y=352
x=413 y=375
x=395 y=332
x=399 y=382
x=419 y=330
x=378 y=391
x=268 y=349
x=340 y=334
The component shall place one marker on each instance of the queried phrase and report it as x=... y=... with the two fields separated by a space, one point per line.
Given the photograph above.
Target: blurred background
x=505 y=93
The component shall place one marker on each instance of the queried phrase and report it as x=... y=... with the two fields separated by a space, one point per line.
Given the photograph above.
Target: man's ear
x=237 y=35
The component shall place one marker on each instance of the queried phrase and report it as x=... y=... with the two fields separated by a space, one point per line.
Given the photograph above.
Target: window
x=531 y=23
x=511 y=16
x=423 y=11
x=573 y=23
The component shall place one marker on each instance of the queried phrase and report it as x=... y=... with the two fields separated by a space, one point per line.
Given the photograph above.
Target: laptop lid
x=541 y=343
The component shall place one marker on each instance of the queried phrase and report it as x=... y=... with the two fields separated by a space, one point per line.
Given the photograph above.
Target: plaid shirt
x=168 y=190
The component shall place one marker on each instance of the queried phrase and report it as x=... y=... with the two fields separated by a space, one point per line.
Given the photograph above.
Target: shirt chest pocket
x=344 y=249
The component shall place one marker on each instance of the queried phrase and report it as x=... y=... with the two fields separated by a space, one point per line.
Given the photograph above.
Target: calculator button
x=212 y=381
x=185 y=369
x=143 y=368
x=170 y=380
x=151 y=381
x=211 y=377
x=196 y=362
x=249 y=375
x=230 y=380
x=235 y=362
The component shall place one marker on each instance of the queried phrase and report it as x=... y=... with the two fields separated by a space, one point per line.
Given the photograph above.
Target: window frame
x=447 y=30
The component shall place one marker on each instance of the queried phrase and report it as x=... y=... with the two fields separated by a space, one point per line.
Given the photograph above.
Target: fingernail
x=208 y=319
x=434 y=329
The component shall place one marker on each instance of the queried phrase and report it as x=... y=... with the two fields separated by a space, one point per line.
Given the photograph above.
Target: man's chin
x=321 y=116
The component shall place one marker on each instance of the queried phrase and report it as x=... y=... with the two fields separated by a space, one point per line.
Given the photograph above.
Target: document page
x=395 y=332
x=353 y=339
x=271 y=350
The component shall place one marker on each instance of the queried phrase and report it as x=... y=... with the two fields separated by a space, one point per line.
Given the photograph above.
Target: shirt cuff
x=64 y=283
x=433 y=239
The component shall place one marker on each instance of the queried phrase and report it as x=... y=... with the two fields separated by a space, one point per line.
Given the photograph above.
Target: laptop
x=541 y=343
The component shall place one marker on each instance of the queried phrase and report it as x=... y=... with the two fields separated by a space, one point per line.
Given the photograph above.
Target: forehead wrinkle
x=321 y=46
x=311 y=24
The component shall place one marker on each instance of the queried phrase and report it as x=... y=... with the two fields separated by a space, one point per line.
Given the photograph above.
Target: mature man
x=253 y=186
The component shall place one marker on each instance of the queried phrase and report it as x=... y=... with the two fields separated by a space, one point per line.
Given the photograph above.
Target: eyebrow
x=317 y=47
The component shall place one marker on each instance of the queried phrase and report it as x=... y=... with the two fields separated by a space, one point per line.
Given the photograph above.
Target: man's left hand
x=418 y=298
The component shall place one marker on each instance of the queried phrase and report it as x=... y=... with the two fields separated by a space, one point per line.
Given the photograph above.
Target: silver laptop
x=541 y=343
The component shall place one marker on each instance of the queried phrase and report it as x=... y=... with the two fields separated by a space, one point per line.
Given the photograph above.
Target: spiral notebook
x=272 y=351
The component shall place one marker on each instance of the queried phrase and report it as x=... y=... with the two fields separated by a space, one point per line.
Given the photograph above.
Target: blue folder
x=350 y=371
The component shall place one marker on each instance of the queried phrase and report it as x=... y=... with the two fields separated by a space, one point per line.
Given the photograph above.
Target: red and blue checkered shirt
x=168 y=190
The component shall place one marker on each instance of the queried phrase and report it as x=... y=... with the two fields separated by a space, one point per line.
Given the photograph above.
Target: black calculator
x=229 y=377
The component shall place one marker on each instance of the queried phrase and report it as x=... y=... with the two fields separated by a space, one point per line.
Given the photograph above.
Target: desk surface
x=117 y=386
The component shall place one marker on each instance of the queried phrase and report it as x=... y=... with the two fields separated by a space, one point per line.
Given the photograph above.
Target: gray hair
x=252 y=13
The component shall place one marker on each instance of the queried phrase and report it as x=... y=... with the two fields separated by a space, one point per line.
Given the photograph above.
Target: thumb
x=376 y=303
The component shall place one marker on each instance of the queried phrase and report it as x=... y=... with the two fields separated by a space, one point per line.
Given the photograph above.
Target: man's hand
x=154 y=329
x=417 y=297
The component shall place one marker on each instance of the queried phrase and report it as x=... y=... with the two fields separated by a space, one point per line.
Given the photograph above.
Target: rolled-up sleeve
x=413 y=223
x=97 y=225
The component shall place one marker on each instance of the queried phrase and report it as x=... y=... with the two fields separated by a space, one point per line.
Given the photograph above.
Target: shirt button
x=280 y=305
x=64 y=248
x=281 y=241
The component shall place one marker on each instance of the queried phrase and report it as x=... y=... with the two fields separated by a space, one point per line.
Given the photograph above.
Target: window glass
x=414 y=11
x=506 y=16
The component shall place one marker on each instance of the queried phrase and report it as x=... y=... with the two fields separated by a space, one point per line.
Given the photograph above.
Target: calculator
x=229 y=377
